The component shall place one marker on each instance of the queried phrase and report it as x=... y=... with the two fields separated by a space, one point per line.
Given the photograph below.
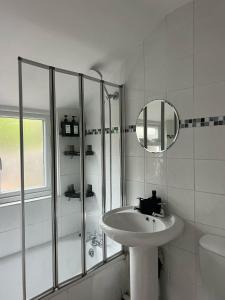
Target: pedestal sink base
x=144 y=273
x=143 y=234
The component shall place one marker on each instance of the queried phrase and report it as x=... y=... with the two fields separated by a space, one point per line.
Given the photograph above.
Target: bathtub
x=39 y=266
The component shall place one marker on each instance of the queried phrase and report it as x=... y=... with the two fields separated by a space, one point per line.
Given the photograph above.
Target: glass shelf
x=76 y=153
x=77 y=195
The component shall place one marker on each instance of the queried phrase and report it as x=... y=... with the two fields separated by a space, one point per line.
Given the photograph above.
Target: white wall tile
x=210 y=176
x=180 y=173
x=181 y=203
x=38 y=211
x=174 y=291
x=10 y=242
x=181 y=17
x=155 y=170
x=203 y=293
x=188 y=239
x=184 y=145
x=180 y=73
x=210 y=209
x=9 y=217
x=210 y=65
x=209 y=99
x=209 y=142
x=183 y=102
x=70 y=206
x=134 y=189
x=37 y=234
x=210 y=28
x=135 y=69
x=133 y=148
x=71 y=224
x=181 y=266
x=155 y=78
x=134 y=101
x=206 y=8
x=210 y=42
x=155 y=63
x=180 y=32
x=115 y=144
x=210 y=25
x=135 y=169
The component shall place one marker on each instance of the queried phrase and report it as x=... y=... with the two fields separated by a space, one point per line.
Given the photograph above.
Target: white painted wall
x=182 y=61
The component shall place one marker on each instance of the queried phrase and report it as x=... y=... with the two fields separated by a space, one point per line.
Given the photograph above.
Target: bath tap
x=95 y=239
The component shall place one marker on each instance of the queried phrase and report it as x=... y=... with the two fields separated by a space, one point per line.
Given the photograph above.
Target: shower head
x=115 y=95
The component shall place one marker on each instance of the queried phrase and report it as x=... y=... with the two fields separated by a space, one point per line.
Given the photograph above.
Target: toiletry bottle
x=155 y=202
x=74 y=127
x=66 y=127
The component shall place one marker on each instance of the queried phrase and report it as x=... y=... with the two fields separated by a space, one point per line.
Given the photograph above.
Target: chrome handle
x=162 y=204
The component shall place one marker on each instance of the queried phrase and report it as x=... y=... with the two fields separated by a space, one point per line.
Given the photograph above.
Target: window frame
x=14 y=196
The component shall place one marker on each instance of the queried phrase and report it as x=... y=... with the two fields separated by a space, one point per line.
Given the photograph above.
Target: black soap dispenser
x=155 y=202
x=74 y=126
x=149 y=205
x=66 y=127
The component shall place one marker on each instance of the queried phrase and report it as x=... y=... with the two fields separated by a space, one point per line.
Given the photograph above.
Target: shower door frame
x=54 y=168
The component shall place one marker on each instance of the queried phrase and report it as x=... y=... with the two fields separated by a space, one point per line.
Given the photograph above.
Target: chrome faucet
x=162 y=213
x=95 y=239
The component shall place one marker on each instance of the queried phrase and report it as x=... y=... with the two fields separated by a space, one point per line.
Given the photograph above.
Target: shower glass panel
x=37 y=180
x=112 y=156
x=68 y=200
x=10 y=205
x=93 y=172
x=72 y=175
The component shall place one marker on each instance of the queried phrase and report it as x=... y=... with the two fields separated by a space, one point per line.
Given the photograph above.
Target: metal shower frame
x=52 y=70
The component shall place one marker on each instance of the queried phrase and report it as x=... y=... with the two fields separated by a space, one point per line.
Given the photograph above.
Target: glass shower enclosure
x=71 y=173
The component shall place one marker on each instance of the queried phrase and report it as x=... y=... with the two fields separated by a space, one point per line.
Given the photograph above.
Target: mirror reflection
x=157 y=126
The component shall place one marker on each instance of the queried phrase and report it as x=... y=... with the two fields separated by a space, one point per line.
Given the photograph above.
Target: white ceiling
x=73 y=34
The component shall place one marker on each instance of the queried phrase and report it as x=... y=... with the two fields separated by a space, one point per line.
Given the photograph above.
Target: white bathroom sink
x=129 y=227
x=143 y=234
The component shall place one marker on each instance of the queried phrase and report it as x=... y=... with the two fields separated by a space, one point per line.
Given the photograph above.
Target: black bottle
x=66 y=127
x=155 y=202
x=74 y=127
x=150 y=205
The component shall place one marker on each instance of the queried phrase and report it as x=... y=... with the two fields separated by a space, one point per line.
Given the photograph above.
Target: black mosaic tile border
x=97 y=131
x=187 y=123
x=192 y=123
x=131 y=128
x=203 y=122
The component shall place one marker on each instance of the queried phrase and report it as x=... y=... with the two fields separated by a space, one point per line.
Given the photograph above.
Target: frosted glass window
x=34 y=153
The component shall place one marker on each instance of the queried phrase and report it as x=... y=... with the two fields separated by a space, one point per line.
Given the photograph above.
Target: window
x=35 y=155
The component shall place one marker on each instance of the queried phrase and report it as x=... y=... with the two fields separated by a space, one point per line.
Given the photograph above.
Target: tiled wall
x=69 y=210
x=182 y=61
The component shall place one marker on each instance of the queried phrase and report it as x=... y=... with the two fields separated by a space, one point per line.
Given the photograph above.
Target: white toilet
x=212 y=263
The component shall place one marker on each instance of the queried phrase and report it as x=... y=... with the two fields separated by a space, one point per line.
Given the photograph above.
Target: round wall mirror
x=157 y=126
